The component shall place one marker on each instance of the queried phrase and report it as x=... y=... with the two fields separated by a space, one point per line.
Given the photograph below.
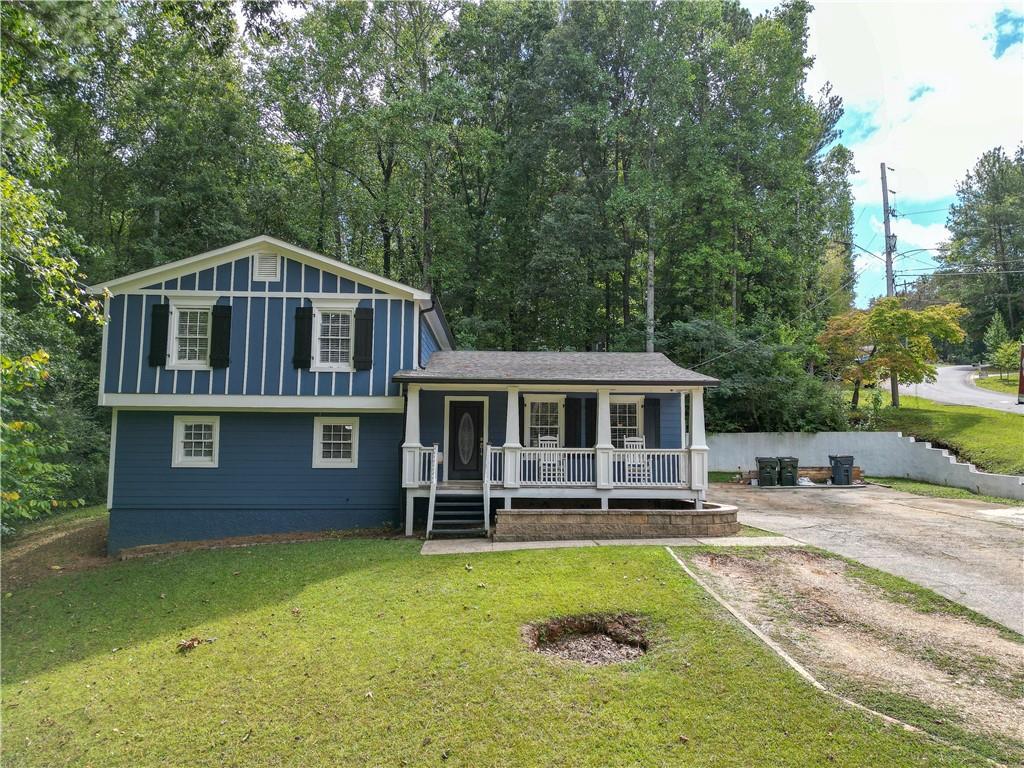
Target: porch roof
x=633 y=368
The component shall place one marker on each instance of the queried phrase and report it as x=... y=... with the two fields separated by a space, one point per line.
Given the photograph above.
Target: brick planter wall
x=562 y=524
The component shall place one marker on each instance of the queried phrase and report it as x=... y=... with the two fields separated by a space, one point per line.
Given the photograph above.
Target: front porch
x=493 y=447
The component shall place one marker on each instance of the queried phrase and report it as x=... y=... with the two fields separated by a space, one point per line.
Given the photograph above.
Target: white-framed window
x=196 y=441
x=335 y=442
x=189 y=329
x=333 y=330
x=627 y=418
x=544 y=417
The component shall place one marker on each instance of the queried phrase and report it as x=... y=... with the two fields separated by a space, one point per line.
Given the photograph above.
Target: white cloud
x=878 y=55
x=910 y=235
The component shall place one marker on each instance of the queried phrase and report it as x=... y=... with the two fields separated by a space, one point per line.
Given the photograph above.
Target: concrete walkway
x=471 y=546
x=969 y=551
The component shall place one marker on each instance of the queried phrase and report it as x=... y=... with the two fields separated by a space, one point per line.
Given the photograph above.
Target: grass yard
x=365 y=653
x=939 y=491
x=992 y=440
x=997 y=383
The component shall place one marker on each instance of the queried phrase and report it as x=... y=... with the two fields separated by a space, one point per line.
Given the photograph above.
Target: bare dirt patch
x=854 y=635
x=65 y=548
x=593 y=639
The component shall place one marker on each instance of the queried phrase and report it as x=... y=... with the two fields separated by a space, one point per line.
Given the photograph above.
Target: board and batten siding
x=264 y=482
x=262 y=336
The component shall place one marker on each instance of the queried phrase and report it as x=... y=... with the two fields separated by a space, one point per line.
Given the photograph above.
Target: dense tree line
x=527 y=161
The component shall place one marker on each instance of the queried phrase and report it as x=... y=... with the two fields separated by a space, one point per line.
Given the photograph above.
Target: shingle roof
x=555 y=368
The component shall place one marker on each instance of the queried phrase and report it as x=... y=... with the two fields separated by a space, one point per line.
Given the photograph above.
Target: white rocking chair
x=636 y=466
x=550 y=462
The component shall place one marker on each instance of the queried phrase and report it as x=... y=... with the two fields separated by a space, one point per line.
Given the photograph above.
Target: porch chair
x=551 y=461
x=635 y=463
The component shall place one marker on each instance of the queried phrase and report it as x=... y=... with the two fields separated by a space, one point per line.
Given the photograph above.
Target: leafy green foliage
x=1007 y=357
x=988 y=242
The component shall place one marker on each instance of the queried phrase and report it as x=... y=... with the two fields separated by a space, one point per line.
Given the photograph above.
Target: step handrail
x=487 y=489
x=433 y=491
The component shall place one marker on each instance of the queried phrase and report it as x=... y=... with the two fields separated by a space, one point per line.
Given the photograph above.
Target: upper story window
x=332 y=336
x=196 y=441
x=627 y=418
x=190 y=334
x=545 y=417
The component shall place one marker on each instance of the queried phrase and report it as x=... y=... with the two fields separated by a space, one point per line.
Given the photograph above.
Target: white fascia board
x=439 y=333
x=540 y=387
x=237 y=250
x=253 y=402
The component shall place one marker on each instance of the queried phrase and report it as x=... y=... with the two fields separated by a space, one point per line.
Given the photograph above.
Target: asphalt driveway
x=954 y=384
x=969 y=551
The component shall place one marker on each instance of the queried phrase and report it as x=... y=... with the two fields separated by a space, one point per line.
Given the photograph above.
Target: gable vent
x=266 y=267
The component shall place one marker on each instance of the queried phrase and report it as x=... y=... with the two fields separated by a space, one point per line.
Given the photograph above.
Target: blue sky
x=928 y=87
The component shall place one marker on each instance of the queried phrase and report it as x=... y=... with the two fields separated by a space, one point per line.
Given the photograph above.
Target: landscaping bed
x=365 y=653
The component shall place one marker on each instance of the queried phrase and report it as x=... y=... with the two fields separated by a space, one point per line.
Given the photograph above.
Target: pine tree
x=995 y=336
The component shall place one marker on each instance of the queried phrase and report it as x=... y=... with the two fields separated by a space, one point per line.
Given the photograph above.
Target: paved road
x=969 y=551
x=953 y=385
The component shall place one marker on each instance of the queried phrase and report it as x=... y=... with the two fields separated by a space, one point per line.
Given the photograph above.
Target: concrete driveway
x=969 y=551
x=953 y=385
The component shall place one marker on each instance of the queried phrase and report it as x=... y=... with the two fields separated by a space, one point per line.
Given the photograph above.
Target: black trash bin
x=842 y=470
x=788 y=470
x=767 y=470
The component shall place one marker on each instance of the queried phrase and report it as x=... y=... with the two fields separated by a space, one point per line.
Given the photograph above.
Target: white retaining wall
x=880 y=454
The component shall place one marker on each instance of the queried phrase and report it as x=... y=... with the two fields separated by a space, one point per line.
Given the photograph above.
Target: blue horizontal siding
x=265 y=481
x=428 y=344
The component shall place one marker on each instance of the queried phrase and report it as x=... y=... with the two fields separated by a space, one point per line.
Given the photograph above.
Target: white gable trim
x=249 y=247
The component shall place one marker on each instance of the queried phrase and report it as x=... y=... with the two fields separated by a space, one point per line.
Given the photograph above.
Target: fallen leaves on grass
x=184 y=646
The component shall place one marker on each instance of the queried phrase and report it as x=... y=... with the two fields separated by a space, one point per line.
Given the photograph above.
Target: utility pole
x=890 y=283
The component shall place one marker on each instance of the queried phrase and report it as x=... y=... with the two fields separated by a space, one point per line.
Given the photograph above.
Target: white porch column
x=698 y=444
x=512 y=445
x=410 y=452
x=603 y=446
x=684 y=439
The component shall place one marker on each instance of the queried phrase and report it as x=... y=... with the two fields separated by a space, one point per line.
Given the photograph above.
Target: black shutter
x=590 y=422
x=220 y=336
x=363 y=357
x=652 y=422
x=302 y=358
x=158 y=322
x=573 y=405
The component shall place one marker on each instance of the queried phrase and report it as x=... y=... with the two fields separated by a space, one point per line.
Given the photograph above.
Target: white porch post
x=512 y=445
x=410 y=451
x=603 y=446
x=684 y=439
x=698 y=444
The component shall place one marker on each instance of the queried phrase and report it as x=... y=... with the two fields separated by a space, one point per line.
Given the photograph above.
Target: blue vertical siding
x=255 y=321
x=264 y=482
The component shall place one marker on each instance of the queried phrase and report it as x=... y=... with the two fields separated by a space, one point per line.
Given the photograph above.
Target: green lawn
x=366 y=653
x=992 y=440
x=939 y=491
x=997 y=383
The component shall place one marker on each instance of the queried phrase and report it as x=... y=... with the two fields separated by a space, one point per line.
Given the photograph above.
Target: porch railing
x=420 y=470
x=581 y=467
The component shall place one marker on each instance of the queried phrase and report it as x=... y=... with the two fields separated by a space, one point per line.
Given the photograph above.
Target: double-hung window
x=332 y=336
x=545 y=417
x=190 y=333
x=627 y=418
x=335 y=442
x=196 y=441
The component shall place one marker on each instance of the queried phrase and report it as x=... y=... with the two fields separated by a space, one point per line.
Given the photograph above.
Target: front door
x=465 y=440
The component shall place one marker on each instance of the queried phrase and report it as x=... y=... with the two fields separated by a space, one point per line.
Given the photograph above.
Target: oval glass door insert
x=466 y=438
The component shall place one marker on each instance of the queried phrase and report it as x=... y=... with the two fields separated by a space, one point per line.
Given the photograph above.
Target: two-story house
x=263 y=388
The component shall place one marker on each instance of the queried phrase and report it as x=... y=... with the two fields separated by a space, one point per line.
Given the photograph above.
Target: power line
x=950 y=274
x=757 y=339
x=929 y=210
